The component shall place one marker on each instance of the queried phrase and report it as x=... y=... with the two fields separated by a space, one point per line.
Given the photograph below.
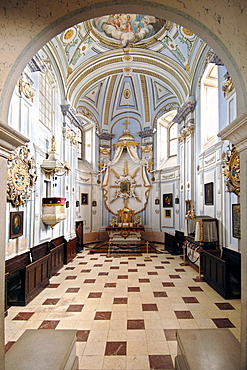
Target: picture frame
x=167 y=200
x=84 y=198
x=187 y=206
x=209 y=193
x=167 y=213
x=236 y=221
x=125 y=186
x=16 y=224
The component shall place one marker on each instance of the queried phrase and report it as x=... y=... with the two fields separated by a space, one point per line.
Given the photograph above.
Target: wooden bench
x=40 y=251
x=223 y=274
x=57 y=250
x=43 y=349
x=13 y=268
x=174 y=242
x=26 y=279
x=70 y=250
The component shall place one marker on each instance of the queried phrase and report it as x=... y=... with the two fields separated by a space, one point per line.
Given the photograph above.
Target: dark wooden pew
x=13 y=268
x=57 y=248
x=70 y=250
x=40 y=251
x=223 y=274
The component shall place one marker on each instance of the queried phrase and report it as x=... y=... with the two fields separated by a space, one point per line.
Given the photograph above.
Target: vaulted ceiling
x=127 y=66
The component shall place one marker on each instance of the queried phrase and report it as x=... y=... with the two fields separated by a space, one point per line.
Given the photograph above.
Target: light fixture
x=52 y=165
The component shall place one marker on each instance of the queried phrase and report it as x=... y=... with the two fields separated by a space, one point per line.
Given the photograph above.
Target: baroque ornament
x=232 y=171
x=21 y=176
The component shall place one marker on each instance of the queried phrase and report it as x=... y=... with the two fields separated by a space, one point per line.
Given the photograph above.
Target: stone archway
x=27 y=26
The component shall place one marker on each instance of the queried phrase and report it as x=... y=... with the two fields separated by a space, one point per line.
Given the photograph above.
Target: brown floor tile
x=190 y=300
x=144 y=280
x=49 y=324
x=132 y=258
x=124 y=263
x=159 y=267
x=8 y=346
x=82 y=263
x=149 y=307
x=72 y=290
x=135 y=324
x=51 y=301
x=160 y=294
x=53 y=285
x=153 y=256
x=108 y=261
x=195 y=289
x=223 y=323
x=122 y=277
x=132 y=270
x=225 y=306
x=174 y=277
x=94 y=258
x=85 y=271
x=170 y=258
x=165 y=262
x=170 y=334
x=183 y=314
x=98 y=265
x=152 y=273
x=103 y=273
x=110 y=285
x=82 y=335
x=69 y=268
x=75 y=308
x=95 y=295
x=80 y=256
x=140 y=264
x=70 y=277
x=120 y=301
x=133 y=289
x=102 y=315
x=168 y=284
x=114 y=268
x=160 y=362
x=23 y=316
x=89 y=281
x=115 y=348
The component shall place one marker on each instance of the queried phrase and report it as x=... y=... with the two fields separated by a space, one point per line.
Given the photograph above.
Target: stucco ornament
x=21 y=176
x=232 y=171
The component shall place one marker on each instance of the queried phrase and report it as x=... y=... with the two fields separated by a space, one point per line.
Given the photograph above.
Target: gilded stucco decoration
x=21 y=176
x=232 y=171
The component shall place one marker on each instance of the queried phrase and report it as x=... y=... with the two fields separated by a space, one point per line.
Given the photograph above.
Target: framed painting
x=236 y=222
x=16 y=224
x=168 y=213
x=84 y=198
x=209 y=194
x=167 y=200
x=187 y=206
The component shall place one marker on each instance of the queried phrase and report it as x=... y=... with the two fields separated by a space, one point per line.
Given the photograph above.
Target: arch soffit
x=31 y=40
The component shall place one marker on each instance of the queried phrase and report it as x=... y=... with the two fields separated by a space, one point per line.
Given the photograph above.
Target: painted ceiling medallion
x=128 y=28
x=69 y=35
x=21 y=176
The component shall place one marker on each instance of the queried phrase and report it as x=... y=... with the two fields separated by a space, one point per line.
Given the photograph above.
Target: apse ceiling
x=132 y=66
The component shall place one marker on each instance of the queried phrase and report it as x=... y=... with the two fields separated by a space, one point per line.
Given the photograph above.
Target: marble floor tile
x=126 y=309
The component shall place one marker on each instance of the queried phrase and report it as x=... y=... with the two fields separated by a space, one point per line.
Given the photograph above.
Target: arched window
x=46 y=99
x=209 y=106
x=79 y=143
x=166 y=138
x=173 y=140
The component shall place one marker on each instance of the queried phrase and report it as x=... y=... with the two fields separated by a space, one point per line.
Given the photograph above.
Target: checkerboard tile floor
x=126 y=309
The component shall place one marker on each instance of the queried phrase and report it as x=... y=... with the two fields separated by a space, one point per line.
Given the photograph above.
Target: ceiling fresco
x=127 y=65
